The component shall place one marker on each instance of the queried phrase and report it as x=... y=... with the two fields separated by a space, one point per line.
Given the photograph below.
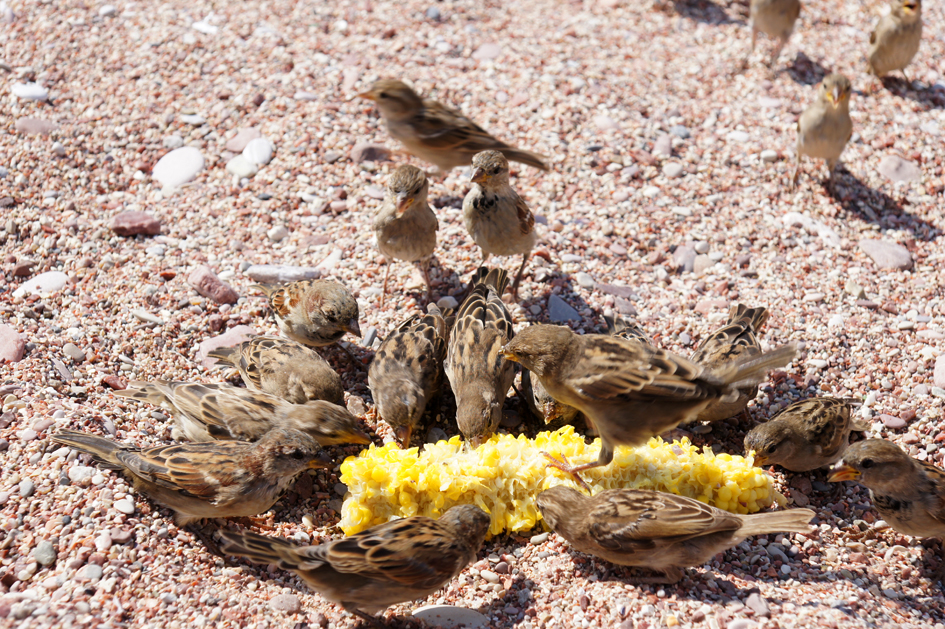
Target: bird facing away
x=435 y=133
x=498 y=220
x=630 y=391
x=737 y=338
x=405 y=373
x=405 y=226
x=656 y=530
x=214 y=479
x=825 y=127
x=479 y=374
x=909 y=494
x=313 y=312
x=806 y=435
x=401 y=560
x=774 y=18
x=284 y=368
x=206 y=412
x=896 y=39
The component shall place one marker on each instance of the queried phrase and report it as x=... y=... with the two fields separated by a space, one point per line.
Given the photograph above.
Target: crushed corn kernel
x=505 y=475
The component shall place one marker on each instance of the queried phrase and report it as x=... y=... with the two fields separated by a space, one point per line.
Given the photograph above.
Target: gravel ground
x=666 y=201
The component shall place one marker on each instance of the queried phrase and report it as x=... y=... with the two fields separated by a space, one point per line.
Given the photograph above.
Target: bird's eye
x=382 y=95
x=298 y=454
x=866 y=463
x=495 y=170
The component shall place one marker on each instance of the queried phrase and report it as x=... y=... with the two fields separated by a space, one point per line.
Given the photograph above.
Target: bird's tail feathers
x=525 y=157
x=495 y=278
x=102 y=450
x=789 y=521
x=751 y=318
x=263 y=549
x=750 y=370
x=225 y=355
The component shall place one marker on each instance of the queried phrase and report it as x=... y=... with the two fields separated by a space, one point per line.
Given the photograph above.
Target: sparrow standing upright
x=825 y=127
x=774 y=18
x=896 y=39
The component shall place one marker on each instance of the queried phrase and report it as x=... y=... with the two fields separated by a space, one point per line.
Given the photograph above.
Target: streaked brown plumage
x=896 y=39
x=621 y=328
x=909 y=494
x=284 y=368
x=206 y=412
x=478 y=373
x=774 y=18
x=496 y=217
x=402 y=560
x=405 y=373
x=630 y=391
x=806 y=435
x=655 y=530
x=216 y=479
x=736 y=339
x=405 y=226
x=435 y=133
x=313 y=312
x=825 y=127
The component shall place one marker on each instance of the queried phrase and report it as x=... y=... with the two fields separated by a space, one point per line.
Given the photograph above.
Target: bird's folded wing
x=199 y=469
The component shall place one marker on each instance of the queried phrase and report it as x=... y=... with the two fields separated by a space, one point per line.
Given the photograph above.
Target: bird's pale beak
x=842 y=473
x=353 y=328
x=760 y=460
x=479 y=176
x=320 y=461
x=403 y=202
x=909 y=7
x=835 y=96
x=508 y=353
x=402 y=433
x=367 y=95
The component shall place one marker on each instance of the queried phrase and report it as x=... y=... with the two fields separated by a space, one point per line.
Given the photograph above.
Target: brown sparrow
x=401 y=560
x=735 y=339
x=206 y=412
x=896 y=39
x=655 y=530
x=405 y=373
x=630 y=391
x=313 y=312
x=435 y=133
x=806 y=435
x=774 y=18
x=825 y=127
x=284 y=368
x=478 y=373
x=405 y=226
x=621 y=328
x=908 y=493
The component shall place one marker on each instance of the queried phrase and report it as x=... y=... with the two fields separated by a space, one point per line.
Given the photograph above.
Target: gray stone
x=258 y=151
x=193 y=119
x=134 y=223
x=277 y=274
x=278 y=233
x=895 y=168
x=286 y=603
x=12 y=345
x=45 y=553
x=739 y=136
x=107 y=10
x=663 y=146
x=672 y=170
x=450 y=616
x=173 y=142
x=559 y=311
x=757 y=603
x=433 y=13
x=680 y=131
x=178 y=166
x=769 y=156
x=487 y=52
x=584 y=279
x=72 y=351
x=369 y=152
x=43 y=284
x=685 y=258
x=93 y=572
x=34 y=126
x=241 y=167
x=886 y=254
x=701 y=264
x=27 y=487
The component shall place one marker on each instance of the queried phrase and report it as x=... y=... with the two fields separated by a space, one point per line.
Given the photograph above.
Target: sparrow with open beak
x=404 y=225
x=313 y=312
x=896 y=39
x=825 y=127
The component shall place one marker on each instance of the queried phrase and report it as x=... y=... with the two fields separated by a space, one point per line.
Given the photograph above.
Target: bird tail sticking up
x=750 y=370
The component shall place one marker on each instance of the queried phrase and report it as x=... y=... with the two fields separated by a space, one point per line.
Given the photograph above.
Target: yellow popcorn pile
x=505 y=475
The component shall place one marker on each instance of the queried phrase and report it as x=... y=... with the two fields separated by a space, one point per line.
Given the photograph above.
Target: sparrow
x=405 y=373
x=656 y=530
x=774 y=18
x=497 y=218
x=478 y=373
x=435 y=133
x=735 y=339
x=215 y=479
x=284 y=368
x=553 y=412
x=896 y=39
x=806 y=435
x=398 y=561
x=909 y=494
x=206 y=412
x=630 y=391
x=313 y=312
x=825 y=127
x=405 y=226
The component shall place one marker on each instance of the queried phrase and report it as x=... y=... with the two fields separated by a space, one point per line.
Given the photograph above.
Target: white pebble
x=125 y=506
x=447 y=302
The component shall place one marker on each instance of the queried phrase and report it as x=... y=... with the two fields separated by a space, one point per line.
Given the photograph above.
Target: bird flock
x=242 y=447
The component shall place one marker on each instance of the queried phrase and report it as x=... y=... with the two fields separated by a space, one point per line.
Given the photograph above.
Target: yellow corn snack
x=505 y=475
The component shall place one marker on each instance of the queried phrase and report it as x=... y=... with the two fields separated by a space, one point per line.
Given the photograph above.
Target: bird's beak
x=910 y=7
x=843 y=472
x=479 y=176
x=835 y=96
x=509 y=355
x=760 y=460
x=320 y=461
x=359 y=437
x=353 y=328
x=404 y=201
x=367 y=95
x=402 y=433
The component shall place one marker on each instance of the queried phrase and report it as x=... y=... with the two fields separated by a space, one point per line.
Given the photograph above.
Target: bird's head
x=490 y=168
x=395 y=99
x=836 y=89
x=407 y=186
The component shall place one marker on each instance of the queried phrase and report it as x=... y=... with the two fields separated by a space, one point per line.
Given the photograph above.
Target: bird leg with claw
x=386 y=276
x=565 y=466
x=206 y=537
x=518 y=277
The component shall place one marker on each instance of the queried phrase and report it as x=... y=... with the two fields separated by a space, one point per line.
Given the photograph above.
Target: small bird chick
x=806 y=435
x=774 y=18
x=435 y=133
x=401 y=560
x=896 y=39
x=737 y=338
x=479 y=374
x=825 y=127
x=284 y=368
x=498 y=220
x=909 y=494
x=405 y=226
x=313 y=312
x=405 y=373
x=656 y=530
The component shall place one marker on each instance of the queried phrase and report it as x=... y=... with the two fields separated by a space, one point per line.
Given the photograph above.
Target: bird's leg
x=206 y=537
x=386 y=275
x=776 y=53
x=372 y=620
x=669 y=575
x=906 y=77
x=425 y=269
x=565 y=466
x=797 y=172
x=518 y=276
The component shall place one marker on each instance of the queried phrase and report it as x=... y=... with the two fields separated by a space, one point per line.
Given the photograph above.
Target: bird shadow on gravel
x=704 y=11
x=805 y=70
x=499 y=607
x=925 y=95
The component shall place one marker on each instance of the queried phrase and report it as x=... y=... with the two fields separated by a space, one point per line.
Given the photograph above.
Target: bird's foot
x=206 y=537
x=565 y=466
x=374 y=621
